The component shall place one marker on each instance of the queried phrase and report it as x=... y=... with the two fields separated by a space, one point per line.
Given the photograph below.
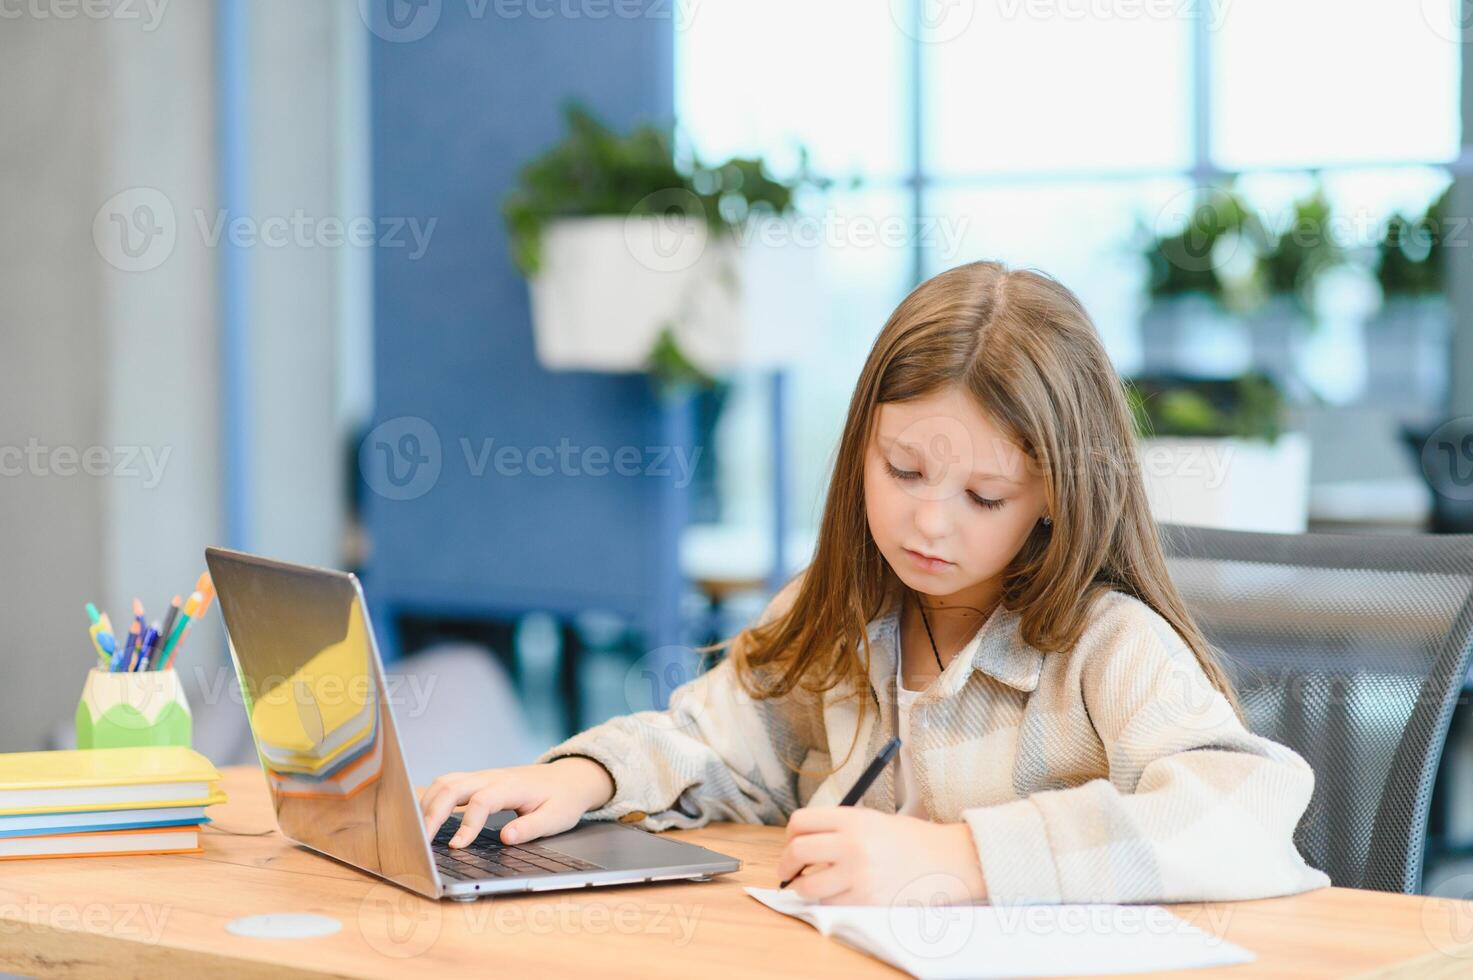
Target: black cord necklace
x=929 y=635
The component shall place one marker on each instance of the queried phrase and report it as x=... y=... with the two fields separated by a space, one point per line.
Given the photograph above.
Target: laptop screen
x=314 y=694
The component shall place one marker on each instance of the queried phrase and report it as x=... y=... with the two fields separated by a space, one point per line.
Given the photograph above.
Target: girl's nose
x=933 y=518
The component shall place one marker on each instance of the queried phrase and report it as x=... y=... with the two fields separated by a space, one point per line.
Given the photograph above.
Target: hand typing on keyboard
x=548 y=797
x=485 y=856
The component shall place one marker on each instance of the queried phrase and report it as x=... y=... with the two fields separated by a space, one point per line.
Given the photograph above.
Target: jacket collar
x=997 y=649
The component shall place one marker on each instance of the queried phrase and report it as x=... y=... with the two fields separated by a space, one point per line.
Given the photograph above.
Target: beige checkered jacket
x=1115 y=773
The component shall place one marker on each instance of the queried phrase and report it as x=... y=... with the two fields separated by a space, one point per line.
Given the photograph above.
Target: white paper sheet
x=955 y=941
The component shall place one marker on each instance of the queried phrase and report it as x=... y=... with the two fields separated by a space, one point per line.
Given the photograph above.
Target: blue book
x=87 y=821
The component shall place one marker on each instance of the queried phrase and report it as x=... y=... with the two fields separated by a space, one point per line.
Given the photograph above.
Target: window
x=1050 y=132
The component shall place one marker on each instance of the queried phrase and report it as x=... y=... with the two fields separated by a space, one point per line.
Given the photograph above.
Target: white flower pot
x=1407 y=353
x=1277 y=336
x=1190 y=334
x=609 y=285
x=1239 y=484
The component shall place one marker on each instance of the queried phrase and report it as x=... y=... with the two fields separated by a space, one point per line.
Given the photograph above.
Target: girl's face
x=950 y=501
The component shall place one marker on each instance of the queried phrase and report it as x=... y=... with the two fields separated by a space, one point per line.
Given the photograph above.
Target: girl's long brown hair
x=1025 y=348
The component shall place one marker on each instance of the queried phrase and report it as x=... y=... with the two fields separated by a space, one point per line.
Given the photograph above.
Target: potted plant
x=1213 y=452
x=636 y=263
x=1288 y=268
x=1189 y=298
x=1407 y=338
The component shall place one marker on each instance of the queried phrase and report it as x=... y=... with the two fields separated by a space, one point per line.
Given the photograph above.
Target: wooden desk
x=165 y=916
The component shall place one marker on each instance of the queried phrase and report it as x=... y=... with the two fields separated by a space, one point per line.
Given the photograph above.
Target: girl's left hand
x=859 y=856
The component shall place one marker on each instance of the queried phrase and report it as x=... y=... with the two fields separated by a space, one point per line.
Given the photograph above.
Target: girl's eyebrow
x=886 y=443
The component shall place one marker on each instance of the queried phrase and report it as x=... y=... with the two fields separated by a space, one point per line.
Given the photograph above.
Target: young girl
x=989 y=585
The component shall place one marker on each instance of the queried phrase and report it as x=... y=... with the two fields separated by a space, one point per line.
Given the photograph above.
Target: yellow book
x=106 y=779
x=324 y=704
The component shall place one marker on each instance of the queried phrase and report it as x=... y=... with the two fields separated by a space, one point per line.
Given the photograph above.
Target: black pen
x=865 y=778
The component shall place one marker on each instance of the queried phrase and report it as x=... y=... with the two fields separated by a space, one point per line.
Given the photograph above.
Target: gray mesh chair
x=1352 y=650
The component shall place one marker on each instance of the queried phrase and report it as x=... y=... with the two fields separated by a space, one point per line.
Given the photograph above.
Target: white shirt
x=1016 y=729
x=907 y=791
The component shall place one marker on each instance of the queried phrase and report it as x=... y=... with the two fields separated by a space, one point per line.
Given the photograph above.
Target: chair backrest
x=1352 y=650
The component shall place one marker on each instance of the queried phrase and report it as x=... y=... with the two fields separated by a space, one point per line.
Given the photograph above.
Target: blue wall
x=455 y=114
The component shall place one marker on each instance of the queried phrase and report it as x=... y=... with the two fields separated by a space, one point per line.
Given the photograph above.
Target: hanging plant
x=1409 y=256
x=596 y=171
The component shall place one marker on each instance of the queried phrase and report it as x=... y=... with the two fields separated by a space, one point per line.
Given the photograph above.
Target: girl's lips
x=926 y=562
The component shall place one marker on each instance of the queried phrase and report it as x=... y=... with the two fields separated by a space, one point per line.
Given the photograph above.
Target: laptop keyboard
x=487 y=857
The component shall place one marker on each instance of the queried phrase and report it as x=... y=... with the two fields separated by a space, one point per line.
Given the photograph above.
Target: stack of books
x=78 y=802
x=319 y=736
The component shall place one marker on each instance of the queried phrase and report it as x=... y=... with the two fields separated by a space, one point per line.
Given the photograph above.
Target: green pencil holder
x=127 y=708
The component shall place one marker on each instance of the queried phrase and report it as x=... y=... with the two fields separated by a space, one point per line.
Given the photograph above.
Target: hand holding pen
x=870 y=774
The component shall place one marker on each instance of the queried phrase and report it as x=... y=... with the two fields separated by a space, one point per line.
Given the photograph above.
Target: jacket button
x=633 y=816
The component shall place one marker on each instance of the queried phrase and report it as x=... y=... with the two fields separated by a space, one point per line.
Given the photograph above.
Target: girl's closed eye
x=899 y=474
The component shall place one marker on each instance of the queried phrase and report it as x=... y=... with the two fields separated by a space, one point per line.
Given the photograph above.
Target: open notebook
x=956 y=941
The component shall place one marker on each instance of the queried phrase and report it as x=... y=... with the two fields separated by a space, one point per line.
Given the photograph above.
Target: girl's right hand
x=549 y=797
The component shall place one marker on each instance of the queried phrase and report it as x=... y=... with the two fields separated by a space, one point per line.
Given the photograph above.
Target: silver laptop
x=323 y=722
